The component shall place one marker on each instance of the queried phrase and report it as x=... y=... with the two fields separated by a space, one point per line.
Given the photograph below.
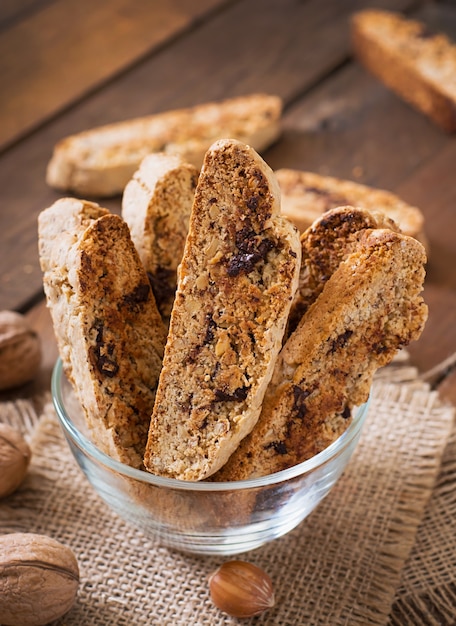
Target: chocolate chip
x=340 y=341
x=253 y=202
x=161 y=282
x=238 y=395
x=138 y=296
x=279 y=447
x=210 y=329
x=299 y=397
x=102 y=353
x=251 y=254
x=346 y=413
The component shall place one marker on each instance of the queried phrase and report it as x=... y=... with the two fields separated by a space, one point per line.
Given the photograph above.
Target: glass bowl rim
x=285 y=475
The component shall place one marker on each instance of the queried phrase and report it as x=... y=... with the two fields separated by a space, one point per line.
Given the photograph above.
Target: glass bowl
x=203 y=517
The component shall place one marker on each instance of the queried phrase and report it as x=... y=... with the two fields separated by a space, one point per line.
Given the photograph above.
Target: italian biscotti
x=306 y=195
x=109 y=332
x=156 y=205
x=100 y=162
x=369 y=308
x=324 y=245
x=236 y=282
x=418 y=65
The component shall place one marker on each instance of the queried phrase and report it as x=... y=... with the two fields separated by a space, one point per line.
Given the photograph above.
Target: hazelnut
x=39 y=578
x=15 y=457
x=20 y=350
x=241 y=589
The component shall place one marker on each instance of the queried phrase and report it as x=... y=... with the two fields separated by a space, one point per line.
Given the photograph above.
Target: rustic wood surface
x=69 y=65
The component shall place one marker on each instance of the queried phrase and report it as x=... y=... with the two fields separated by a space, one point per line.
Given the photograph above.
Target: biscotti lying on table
x=99 y=162
x=266 y=354
x=306 y=195
x=418 y=65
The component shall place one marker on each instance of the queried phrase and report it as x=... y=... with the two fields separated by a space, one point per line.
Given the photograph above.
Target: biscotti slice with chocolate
x=156 y=205
x=369 y=308
x=324 y=245
x=418 y=65
x=109 y=332
x=100 y=161
x=306 y=195
x=237 y=279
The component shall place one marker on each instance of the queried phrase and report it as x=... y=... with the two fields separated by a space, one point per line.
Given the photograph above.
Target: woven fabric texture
x=373 y=552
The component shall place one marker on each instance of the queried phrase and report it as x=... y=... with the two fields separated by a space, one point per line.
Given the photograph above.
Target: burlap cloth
x=380 y=549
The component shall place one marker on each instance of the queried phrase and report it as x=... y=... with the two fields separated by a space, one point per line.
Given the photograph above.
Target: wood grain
x=62 y=52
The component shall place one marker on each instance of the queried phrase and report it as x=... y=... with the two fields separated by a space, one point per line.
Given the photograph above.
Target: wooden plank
x=353 y=127
x=432 y=186
x=13 y=10
x=280 y=46
x=61 y=52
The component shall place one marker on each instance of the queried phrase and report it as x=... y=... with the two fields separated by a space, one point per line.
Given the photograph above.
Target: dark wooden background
x=68 y=65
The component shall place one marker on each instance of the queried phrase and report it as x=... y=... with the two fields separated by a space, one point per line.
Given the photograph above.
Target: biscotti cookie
x=156 y=205
x=416 y=64
x=369 y=308
x=109 y=332
x=324 y=245
x=100 y=161
x=306 y=195
x=236 y=282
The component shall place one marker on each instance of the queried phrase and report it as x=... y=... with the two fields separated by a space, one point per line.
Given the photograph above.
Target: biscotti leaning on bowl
x=108 y=329
x=407 y=57
x=369 y=308
x=100 y=162
x=237 y=279
x=307 y=195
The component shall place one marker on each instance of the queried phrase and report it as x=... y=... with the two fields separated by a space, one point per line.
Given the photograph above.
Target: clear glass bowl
x=204 y=517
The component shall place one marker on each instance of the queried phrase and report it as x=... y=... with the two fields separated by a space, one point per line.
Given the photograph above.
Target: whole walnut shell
x=20 y=350
x=15 y=457
x=39 y=578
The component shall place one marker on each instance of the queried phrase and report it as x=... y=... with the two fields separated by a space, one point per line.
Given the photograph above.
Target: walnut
x=39 y=578
x=20 y=350
x=14 y=459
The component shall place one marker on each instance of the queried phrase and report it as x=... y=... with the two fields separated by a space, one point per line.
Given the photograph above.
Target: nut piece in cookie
x=369 y=308
x=156 y=205
x=109 y=332
x=237 y=279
